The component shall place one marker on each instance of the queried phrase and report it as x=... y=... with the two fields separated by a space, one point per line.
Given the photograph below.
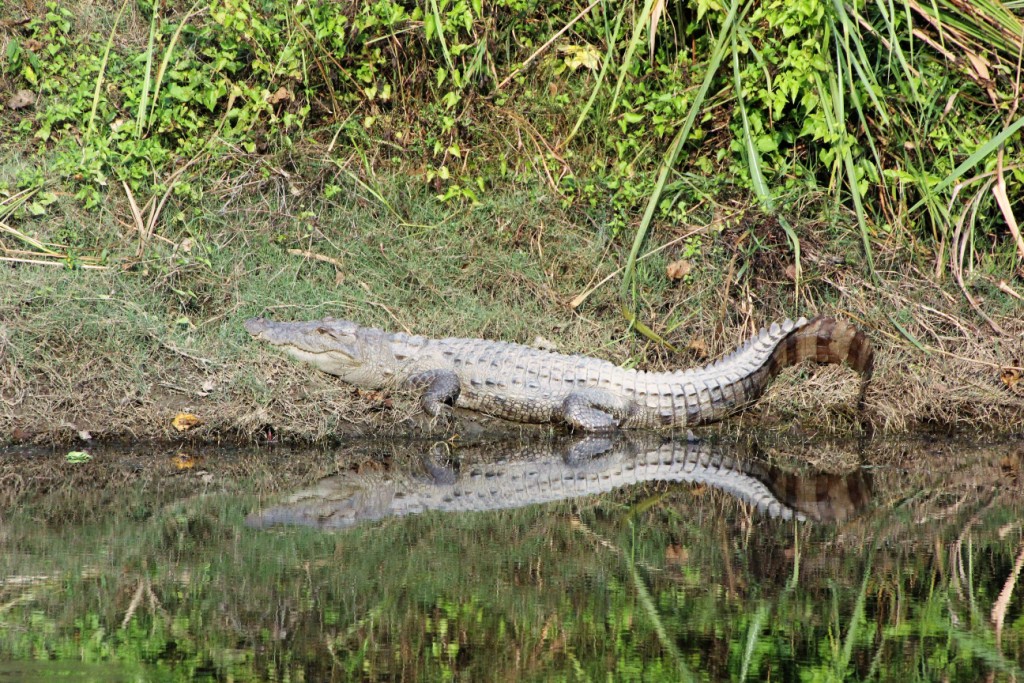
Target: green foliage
x=236 y=72
x=824 y=95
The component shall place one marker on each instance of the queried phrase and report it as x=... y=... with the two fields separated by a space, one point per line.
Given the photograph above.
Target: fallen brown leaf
x=380 y=398
x=677 y=270
x=21 y=99
x=698 y=348
x=1011 y=378
x=281 y=95
x=183 y=422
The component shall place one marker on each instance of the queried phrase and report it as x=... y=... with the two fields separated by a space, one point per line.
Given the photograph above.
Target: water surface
x=770 y=561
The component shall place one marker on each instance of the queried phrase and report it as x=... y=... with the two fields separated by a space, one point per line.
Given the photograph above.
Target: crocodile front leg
x=442 y=389
x=595 y=410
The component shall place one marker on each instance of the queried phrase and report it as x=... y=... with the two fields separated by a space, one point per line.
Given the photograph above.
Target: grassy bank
x=518 y=172
x=119 y=352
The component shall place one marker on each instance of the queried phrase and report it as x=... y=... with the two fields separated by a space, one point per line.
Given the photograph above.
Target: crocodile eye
x=329 y=332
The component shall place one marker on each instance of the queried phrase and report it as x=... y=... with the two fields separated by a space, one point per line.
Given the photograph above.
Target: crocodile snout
x=255 y=326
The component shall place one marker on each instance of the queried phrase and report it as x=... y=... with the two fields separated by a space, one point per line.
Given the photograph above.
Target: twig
x=546 y=45
x=316 y=257
x=34 y=262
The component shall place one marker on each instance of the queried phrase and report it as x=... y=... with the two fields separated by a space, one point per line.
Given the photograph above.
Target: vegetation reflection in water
x=906 y=567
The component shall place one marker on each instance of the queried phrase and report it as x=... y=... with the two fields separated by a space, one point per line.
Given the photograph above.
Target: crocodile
x=525 y=384
x=575 y=467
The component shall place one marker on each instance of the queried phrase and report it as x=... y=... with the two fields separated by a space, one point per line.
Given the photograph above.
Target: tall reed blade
x=669 y=162
x=147 y=80
x=761 y=189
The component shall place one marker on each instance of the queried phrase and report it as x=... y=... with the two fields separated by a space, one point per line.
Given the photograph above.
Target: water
x=760 y=561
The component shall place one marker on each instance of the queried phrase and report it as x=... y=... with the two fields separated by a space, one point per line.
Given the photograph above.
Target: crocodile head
x=337 y=502
x=337 y=347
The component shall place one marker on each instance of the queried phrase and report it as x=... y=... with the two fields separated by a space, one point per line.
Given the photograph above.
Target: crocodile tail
x=825 y=340
x=821 y=497
x=749 y=370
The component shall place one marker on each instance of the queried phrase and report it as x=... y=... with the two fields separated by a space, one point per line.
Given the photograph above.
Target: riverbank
x=118 y=352
x=169 y=170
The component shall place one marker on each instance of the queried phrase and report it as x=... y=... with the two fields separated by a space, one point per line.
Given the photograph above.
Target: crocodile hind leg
x=441 y=391
x=587 y=449
x=595 y=410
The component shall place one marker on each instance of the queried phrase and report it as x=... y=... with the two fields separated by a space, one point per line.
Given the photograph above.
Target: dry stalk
x=960 y=241
x=134 y=604
x=36 y=262
x=157 y=208
x=28 y=596
x=1003 y=200
x=727 y=281
x=540 y=50
x=316 y=257
x=43 y=252
x=1003 y=601
x=534 y=136
x=1007 y=289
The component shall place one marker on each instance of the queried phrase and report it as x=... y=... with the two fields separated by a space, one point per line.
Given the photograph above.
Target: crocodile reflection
x=547 y=471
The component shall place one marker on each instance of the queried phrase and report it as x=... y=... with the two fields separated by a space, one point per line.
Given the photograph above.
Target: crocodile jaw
x=331 y=346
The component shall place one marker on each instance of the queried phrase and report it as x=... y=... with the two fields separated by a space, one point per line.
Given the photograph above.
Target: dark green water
x=139 y=566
